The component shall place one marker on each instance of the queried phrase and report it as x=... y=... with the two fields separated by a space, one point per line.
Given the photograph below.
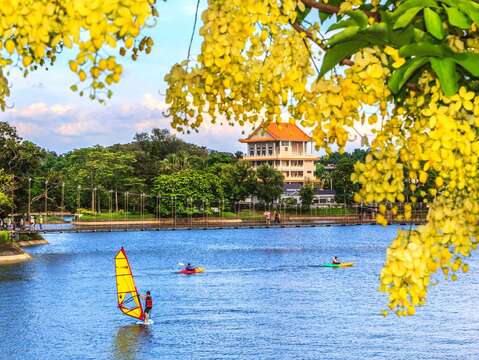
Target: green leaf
x=424 y=49
x=344 y=35
x=469 y=61
x=457 y=18
x=402 y=37
x=342 y=24
x=406 y=18
x=408 y=4
x=445 y=70
x=376 y=34
x=360 y=17
x=433 y=23
x=401 y=75
x=467 y=7
x=339 y=52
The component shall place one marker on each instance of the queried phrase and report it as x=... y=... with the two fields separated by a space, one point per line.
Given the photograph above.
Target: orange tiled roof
x=283 y=132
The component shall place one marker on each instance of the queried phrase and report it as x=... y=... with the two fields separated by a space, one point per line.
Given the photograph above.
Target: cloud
x=81 y=127
x=63 y=127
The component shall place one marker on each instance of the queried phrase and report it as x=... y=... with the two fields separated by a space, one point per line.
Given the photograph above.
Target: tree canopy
x=326 y=64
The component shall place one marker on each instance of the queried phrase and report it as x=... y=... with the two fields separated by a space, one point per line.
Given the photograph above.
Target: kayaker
x=336 y=260
x=148 y=305
x=189 y=267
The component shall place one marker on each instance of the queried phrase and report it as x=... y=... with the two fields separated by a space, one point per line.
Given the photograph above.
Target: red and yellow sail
x=128 y=299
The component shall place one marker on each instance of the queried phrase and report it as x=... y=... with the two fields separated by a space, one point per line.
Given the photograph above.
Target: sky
x=45 y=111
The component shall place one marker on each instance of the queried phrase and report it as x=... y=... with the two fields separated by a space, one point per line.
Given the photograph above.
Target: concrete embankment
x=12 y=252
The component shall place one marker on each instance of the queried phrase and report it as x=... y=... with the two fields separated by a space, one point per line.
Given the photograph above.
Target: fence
x=208 y=217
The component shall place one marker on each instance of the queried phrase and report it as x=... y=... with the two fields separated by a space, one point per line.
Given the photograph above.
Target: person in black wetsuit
x=148 y=305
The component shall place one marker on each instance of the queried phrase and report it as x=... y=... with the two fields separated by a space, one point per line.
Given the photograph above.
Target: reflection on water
x=129 y=339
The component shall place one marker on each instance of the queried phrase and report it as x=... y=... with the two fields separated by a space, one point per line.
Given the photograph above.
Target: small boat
x=196 y=270
x=341 y=265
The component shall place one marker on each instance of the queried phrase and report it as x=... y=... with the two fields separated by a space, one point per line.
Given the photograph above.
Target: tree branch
x=309 y=35
x=329 y=9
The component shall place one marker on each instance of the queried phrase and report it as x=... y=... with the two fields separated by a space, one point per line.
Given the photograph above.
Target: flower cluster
x=33 y=33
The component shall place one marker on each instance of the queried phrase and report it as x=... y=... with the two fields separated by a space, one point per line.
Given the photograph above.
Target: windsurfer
x=148 y=305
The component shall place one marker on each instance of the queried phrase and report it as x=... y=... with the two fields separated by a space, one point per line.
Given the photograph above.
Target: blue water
x=262 y=297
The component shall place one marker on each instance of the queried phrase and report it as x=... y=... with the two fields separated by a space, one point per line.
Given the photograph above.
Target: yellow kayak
x=341 y=265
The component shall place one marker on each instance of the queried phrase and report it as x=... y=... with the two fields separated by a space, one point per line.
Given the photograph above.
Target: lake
x=262 y=296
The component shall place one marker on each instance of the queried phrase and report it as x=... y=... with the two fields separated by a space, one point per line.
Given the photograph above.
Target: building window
x=285 y=143
x=251 y=153
x=285 y=162
x=309 y=172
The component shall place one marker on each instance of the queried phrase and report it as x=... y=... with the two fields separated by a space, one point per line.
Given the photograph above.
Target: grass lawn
x=116 y=216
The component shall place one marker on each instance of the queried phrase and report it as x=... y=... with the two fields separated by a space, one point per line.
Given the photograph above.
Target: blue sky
x=45 y=111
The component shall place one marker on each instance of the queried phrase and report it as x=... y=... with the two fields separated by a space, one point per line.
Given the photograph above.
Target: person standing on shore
x=276 y=217
x=40 y=221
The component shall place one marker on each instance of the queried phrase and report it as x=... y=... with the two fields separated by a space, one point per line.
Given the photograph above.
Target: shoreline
x=13 y=253
x=30 y=243
x=14 y=259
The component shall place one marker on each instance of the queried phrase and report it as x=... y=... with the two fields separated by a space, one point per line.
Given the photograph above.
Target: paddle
x=181 y=264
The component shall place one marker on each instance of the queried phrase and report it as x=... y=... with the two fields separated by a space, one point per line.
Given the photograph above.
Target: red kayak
x=191 y=272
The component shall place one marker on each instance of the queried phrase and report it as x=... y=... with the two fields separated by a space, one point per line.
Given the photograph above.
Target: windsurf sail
x=128 y=299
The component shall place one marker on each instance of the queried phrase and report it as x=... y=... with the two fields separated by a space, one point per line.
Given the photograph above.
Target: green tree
x=269 y=186
x=239 y=181
x=152 y=148
x=306 y=194
x=101 y=169
x=6 y=187
x=342 y=183
x=188 y=192
x=22 y=159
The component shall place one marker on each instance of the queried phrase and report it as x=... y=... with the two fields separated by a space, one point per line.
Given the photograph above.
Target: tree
x=306 y=193
x=6 y=187
x=152 y=148
x=22 y=159
x=342 y=184
x=239 y=181
x=101 y=169
x=416 y=62
x=269 y=186
x=91 y=30
x=321 y=173
x=188 y=191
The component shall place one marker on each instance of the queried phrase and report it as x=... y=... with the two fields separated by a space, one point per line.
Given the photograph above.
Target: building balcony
x=288 y=156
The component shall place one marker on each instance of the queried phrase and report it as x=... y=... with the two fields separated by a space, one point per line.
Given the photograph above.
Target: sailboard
x=128 y=298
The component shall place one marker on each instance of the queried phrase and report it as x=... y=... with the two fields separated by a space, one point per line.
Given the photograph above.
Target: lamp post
x=78 y=200
x=29 y=201
x=63 y=199
x=46 y=201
